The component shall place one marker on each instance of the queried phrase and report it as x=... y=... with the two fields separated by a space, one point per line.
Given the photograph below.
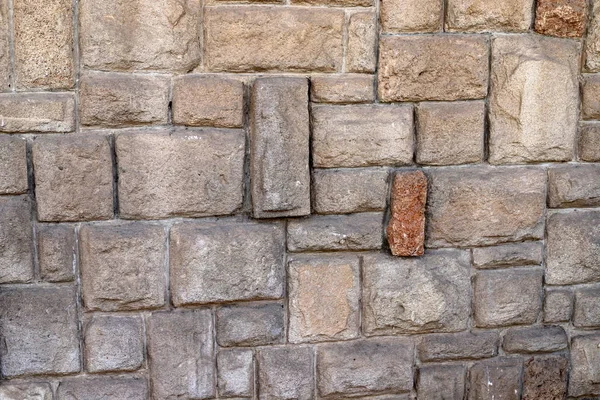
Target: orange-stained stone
x=406 y=229
x=563 y=18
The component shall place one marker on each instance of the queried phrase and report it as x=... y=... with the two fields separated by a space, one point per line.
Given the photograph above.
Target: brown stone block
x=545 y=378
x=563 y=18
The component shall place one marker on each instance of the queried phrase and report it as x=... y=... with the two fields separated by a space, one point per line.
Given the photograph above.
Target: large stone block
x=574 y=186
x=16 y=235
x=398 y=16
x=587 y=312
x=508 y=255
x=131 y=35
x=73 y=178
x=285 y=373
x=200 y=173
x=226 y=261
x=361 y=48
x=482 y=15
x=539 y=339
x=105 y=388
x=573 y=248
x=38 y=329
x=408 y=72
x=26 y=391
x=441 y=382
x=562 y=18
x=250 y=325
x=458 y=346
x=181 y=355
x=13 y=165
x=584 y=378
x=589 y=142
x=347 y=88
x=133 y=252
x=56 y=250
x=545 y=378
x=279 y=147
x=235 y=372
x=496 y=379
x=419 y=295
x=534 y=99
x=592 y=43
x=43 y=44
x=37 y=112
x=340 y=139
x=485 y=205
x=273 y=39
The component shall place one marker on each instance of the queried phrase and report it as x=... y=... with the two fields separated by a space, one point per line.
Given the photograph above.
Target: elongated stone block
x=37 y=112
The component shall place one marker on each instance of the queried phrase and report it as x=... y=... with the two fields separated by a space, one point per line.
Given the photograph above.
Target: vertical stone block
x=250 y=325
x=482 y=16
x=589 y=142
x=13 y=165
x=584 y=378
x=285 y=373
x=399 y=16
x=16 y=234
x=279 y=152
x=4 y=48
x=37 y=112
x=361 y=52
x=496 y=379
x=558 y=305
x=235 y=373
x=587 y=312
x=56 y=252
x=590 y=96
x=592 y=43
x=545 y=378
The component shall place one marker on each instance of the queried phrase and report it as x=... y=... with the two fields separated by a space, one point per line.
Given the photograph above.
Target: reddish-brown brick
x=563 y=18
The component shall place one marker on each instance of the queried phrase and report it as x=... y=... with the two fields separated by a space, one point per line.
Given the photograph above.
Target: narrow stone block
x=589 y=142
x=399 y=16
x=545 y=378
x=342 y=89
x=37 y=112
x=585 y=365
x=235 y=373
x=105 y=388
x=592 y=46
x=13 y=165
x=587 y=311
x=26 y=391
x=574 y=186
x=483 y=16
x=285 y=373
x=458 y=346
x=590 y=100
x=361 y=50
x=4 y=48
x=508 y=255
x=16 y=251
x=250 y=325
x=56 y=252
x=279 y=153
x=334 y=3
x=539 y=339
x=447 y=381
x=496 y=379
x=558 y=305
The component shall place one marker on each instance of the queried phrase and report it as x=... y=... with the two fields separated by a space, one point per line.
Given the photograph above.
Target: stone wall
x=299 y=199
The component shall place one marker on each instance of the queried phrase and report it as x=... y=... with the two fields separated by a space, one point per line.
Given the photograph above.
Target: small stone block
x=250 y=325
x=562 y=18
x=285 y=373
x=235 y=373
x=56 y=252
x=13 y=165
x=545 y=378
x=496 y=379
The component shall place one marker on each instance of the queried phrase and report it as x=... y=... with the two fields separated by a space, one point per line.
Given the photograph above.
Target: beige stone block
x=37 y=112
x=361 y=52
x=485 y=15
x=342 y=88
x=399 y=16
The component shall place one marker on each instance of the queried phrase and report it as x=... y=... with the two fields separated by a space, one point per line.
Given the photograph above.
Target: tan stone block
x=16 y=251
x=37 y=112
x=563 y=18
x=574 y=186
x=361 y=51
x=590 y=101
x=13 y=165
x=484 y=15
x=342 y=88
x=398 y=16
x=335 y=3
x=4 y=47
x=408 y=72
x=592 y=42
x=273 y=39
x=589 y=142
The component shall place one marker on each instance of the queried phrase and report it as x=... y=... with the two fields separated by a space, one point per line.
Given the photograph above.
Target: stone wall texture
x=299 y=199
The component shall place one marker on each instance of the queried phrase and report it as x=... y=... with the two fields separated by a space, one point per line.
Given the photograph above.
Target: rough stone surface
x=38 y=327
x=584 y=377
x=361 y=51
x=534 y=98
x=285 y=373
x=458 y=346
x=592 y=45
x=590 y=96
x=573 y=248
x=345 y=191
x=131 y=35
x=133 y=252
x=496 y=379
x=441 y=382
x=339 y=138
x=200 y=173
x=273 y=39
x=587 y=312
x=484 y=205
x=16 y=234
x=73 y=178
x=323 y=298
x=37 y=112
x=407 y=72
x=361 y=231
x=406 y=229
x=26 y=391
x=399 y=16
x=44 y=44
x=558 y=305
x=208 y=101
x=235 y=374
x=574 y=186
x=279 y=147
x=507 y=297
x=116 y=99
x=250 y=325
x=419 y=295
x=482 y=15
x=181 y=355
x=542 y=339
x=450 y=133
x=365 y=367
x=105 y=388
x=545 y=378
x=56 y=252
x=562 y=18
x=114 y=343
x=224 y=262
x=589 y=142
x=342 y=89
x=508 y=255
x=4 y=49
x=13 y=165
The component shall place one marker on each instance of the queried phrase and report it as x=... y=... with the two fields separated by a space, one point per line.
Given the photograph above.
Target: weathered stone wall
x=299 y=199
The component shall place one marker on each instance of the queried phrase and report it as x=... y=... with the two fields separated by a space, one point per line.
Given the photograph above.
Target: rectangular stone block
x=201 y=173
x=533 y=99
x=37 y=112
x=285 y=373
x=13 y=165
x=334 y=3
x=485 y=16
x=590 y=100
x=340 y=139
x=117 y=100
x=458 y=346
x=345 y=191
x=44 y=44
x=496 y=379
x=445 y=381
x=416 y=295
x=279 y=147
x=73 y=177
x=592 y=49
x=5 y=62
x=103 y=387
x=545 y=378
x=508 y=255
x=408 y=72
x=39 y=331
x=482 y=205
x=335 y=232
x=56 y=250
x=399 y=16
x=587 y=312
x=227 y=261
x=136 y=253
x=573 y=248
x=343 y=89
x=584 y=378
x=589 y=142
x=273 y=39
x=574 y=186
x=365 y=367
x=16 y=251
x=562 y=18
x=361 y=48
x=235 y=372
x=127 y=35
x=181 y=354
x=558 y=305
x=26 y=391
x=538 y=339
x=250 y=325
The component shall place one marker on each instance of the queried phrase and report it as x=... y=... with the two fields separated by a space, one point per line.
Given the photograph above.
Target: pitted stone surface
x=545 y=378
x=37 y=112
x=399 y=16
x=285 y=373
x=585 y=365
x=496 y=379
x=56 y=252
x=250 y=325
x=563 y=18
x=482 y=15
x=458 y=346
x=105 y=388
x=350 y=88
x=13 y=165
x=574 y=186
x=26 y=391
x=16 y=234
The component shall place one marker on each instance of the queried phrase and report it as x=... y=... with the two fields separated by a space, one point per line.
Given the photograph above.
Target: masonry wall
x=299 y=199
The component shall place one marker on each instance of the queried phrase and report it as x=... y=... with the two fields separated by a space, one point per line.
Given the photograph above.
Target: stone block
x=558 y=305
x=279 y=147
x=335 y=232
x=250 y=325
x=333 y=3
x=285 y=373
x=273 y=39
x=26 y=391
x=592 y=44
x=539 y=339
x=545 y=378
x=507 y=297
x=450 y=133
x=73 y=178
x=201 y=173
x=361 y=48
x=118 y=99
x=126 y=35
x=339 y=138
x=574 y=186
x=235 y=373
x=5 y=61
x=458 y=346
x=13 y=165
x=39 y=331
x=508 y=255
x=589 y=142
x=104 y=387
x=590 y=96
x=483 y=205
x=56 y=249
x=483 y=16
x=562 y=18
x=496 y=379
x=584 y=378
x=342 y=89
x=226 y=261
x=16 y=233
x=408 y=72
x=587 y=312
x=534 y=97
x=441 y=382
x=135 y=252
x=411 y=16
x=181 y=354
x=37 y=112
x=416 y=295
